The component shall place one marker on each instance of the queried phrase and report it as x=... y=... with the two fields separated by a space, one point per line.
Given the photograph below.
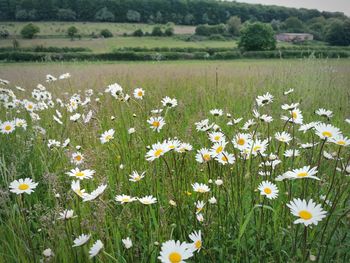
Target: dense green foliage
x=72 y=32
x=29 y=31
x=106 y=33
x=257 y=36
x=338 y=33
x=157 y=11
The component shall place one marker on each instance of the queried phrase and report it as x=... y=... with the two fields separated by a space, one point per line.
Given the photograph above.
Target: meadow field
x=183 y=161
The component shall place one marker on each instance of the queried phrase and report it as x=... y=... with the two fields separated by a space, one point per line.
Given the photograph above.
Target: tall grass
x=242 y=226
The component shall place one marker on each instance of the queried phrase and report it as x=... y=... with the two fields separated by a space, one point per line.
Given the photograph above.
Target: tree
x=294 y=24
x=157 y=31
x=21 y=15
x=106 y=33
x=72 y=31
x=169 y=30
x=138 y=33
x=234 y=25
x=29 y=31
x=104 y=15
x=338 y=33
x=133 y=16
x=257 y=36
x=66 y=15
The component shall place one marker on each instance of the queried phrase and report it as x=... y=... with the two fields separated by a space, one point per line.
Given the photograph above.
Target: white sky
x=323 y=5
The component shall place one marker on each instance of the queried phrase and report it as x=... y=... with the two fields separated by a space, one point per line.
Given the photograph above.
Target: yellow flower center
x=30 y=106
x=240 y=141
x=108 y=137
x=216 y=138
x=257 y=148
x=267 y=191
x=171 y=146
x=294 y=115
x=302 y=174
x=206 y=156
x=78 y=192
x=140 y=93
x=198 y=244
x=306 y=215
x=155 y=124
x=224 y=158
x=158 y=152
x=201 y=190
x=125 y=199
x=23 y=187
x=327 y=134
x=175 y=257
x=78 y=158
x=79 y=174
x=8 y=127
x=341 y=142
x=219 y=149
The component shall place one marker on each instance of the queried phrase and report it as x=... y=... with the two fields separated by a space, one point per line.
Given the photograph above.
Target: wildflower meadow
x=175 y=162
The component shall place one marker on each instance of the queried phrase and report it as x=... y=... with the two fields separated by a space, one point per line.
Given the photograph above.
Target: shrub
x=29 y=31
x=169 y=31
x=4 y=34
x=138 y=33
x=234 y=25
x=106 y=33
x=157 y=31
x=257 y=36
x=217 y=37
x=72 y=31
x=207 y=30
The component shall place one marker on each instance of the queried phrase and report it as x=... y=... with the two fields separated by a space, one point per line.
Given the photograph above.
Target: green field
x=243 y=225
x=107 y=45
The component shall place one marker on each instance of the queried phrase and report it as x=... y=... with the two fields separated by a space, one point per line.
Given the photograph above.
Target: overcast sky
x=323 y=5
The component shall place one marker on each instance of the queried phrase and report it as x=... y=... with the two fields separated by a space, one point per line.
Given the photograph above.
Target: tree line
x=186 y=12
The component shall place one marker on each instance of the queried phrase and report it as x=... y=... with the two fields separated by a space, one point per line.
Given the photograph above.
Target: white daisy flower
x=77 y=158
x=156 y=123
x=291 y=152
x=308 y=212
x=175 y=252
x=216 y=137
x=21 y=186
x=212 y=200
x=107 y=136
x=340 y=140
x=75 y=117
x=248 y=124
x=95 y=249
x=301 y=173
x=127 y=242
x=196 y=238
x=135 y=176
x=217 y=112
x=326 y=131
x=218 y=148
x=75 y=186
x=203 y=155
x=199 y=206
x=225 y=158
x=81 y=174
x=66 y=214
x=324 y=113
x=200 y=188
x=268 y=189
x=81 y=240
x=156 y=151
x=148 y=200
x=283 y=137
x=264 y=99
x=168 y=102
x=139 y=93
x=7 y=127
x=290 y=106
x=288 y=91
x=294 y=117
x=125 y=199
x=94 y=194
